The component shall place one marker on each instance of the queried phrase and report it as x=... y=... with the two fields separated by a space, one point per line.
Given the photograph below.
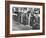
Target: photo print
x=25 y=18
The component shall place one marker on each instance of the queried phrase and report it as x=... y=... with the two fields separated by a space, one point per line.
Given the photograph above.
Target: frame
x=38 y=9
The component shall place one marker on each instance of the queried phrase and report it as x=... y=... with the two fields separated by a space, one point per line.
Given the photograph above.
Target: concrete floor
x=17 y=26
